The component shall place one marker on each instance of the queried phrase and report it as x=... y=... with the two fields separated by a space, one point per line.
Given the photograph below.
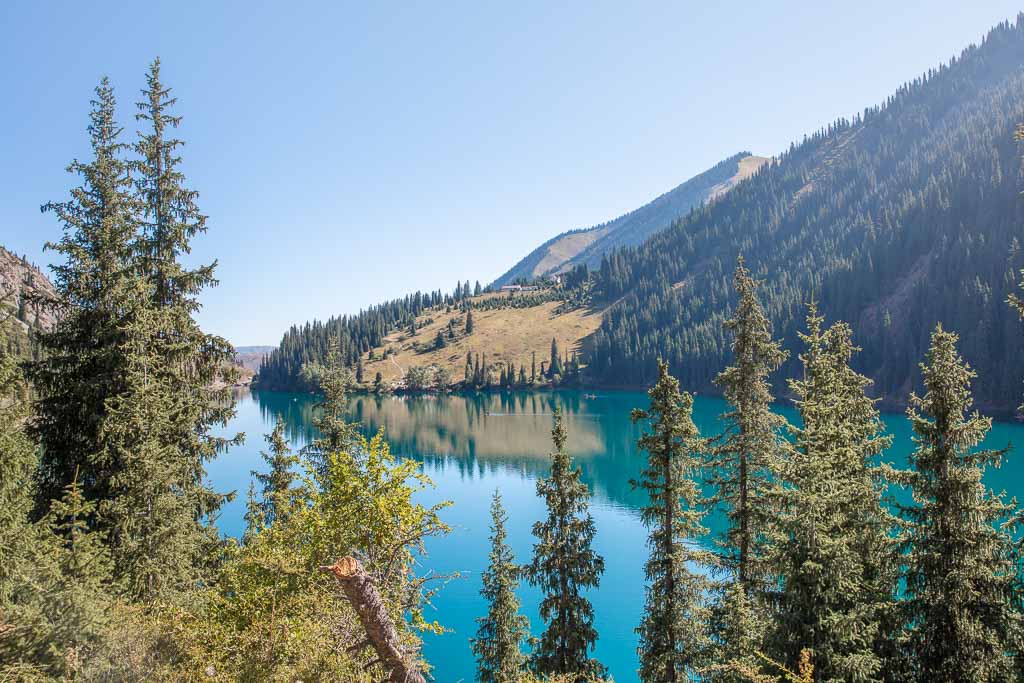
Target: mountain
x=22 y=286
x=250 y=357
x=903 y=216
x=907 y=215
x=589 y=245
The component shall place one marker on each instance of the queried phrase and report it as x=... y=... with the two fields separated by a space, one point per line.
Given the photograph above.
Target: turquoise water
x=472 y=445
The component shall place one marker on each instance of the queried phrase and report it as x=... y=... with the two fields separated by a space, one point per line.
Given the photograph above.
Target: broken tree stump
x=362 y=594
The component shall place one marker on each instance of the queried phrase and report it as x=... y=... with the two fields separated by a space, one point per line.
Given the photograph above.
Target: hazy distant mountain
x=590 y=244
x=250 y=357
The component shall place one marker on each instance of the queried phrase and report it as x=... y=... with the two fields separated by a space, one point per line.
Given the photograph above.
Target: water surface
x=472 y=445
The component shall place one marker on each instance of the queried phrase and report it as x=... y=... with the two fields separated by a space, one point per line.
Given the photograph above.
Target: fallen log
x=362 y=594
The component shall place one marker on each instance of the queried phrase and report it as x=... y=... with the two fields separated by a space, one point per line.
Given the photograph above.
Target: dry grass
x=566 y=248
x=746 y=167
x=507 y=334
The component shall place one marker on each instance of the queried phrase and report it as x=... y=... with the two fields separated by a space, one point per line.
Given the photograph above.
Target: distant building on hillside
x=519 y=288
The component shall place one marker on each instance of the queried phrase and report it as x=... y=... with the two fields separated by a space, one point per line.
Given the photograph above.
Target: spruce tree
x=337 y=434
x=277 y=483
x=84 y=355
x=960 y=581
x=177 y=378
x=741 y=465
x=673 y=637
x=469 y=322
x=739 y=471
x=502 y=633
x=555 y=366
x=564 y=565
x=836 y=556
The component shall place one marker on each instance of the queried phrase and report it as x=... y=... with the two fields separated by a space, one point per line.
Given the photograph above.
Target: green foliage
x=908 y=208
x=836 y=557
x=85 y=354
x=564 y=565
x=126 y=399
x=960 y=580
x=673 y=641
x=499 y=641
x=56 y=573
x=278 y=482
x=741 y=465
x=418 y=378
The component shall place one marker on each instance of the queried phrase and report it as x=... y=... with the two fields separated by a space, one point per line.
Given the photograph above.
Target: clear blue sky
x=349 y=153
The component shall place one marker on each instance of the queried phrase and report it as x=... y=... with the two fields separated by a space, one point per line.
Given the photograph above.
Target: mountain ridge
x=586 y=246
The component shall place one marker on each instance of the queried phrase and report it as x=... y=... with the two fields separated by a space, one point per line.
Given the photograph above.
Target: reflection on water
x=471 y=445
x=511 y=429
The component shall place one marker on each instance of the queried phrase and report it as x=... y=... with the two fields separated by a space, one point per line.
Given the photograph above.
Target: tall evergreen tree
x=194 y=361
x=502 y=633
x=84 y=354
x=162 y=424
x=564 y=565
x=741 y=465
x=555 y=366
x=469 y=322
x=673 y=636
x=960 y=587
x=739 y=471
x=832 y=516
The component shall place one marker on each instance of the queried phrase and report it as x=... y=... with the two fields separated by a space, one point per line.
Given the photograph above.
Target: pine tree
x=533 y=367
x=439 y=342
x=469 y=322
x=337 y=434
x=741 y=465
x=960 y=587
x=276 y=483
x=477 y=290
x=564 y=564
x=555 y=366
x=84 y=355
x=832 y=516
x=500 y=637
x=163 y=423
x=673 y=639
x=739 y=471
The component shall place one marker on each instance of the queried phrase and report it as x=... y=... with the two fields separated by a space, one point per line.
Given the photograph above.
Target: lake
x=472 y=445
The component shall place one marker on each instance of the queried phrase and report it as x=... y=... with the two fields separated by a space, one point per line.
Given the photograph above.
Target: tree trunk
x=361 y=592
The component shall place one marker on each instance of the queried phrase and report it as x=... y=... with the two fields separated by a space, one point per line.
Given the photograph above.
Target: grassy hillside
x=505 y=335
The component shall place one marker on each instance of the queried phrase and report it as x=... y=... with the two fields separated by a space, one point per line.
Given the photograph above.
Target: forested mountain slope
x=907 y=215
x=588 y=245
